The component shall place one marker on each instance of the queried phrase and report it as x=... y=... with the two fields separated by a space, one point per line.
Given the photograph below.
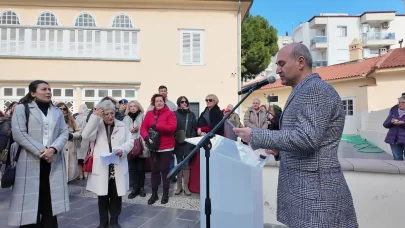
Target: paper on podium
x=110 y=158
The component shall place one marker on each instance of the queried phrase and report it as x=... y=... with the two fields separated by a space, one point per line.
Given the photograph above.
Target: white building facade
x=328 y=35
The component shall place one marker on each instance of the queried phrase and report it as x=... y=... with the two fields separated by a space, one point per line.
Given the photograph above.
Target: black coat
x=183 y=149
x=216 y=115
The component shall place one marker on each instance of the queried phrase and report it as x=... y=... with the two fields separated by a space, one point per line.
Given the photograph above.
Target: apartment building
x=329 y=35
x=125 y=49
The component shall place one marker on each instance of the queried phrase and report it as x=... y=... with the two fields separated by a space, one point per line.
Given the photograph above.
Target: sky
x=284 y=15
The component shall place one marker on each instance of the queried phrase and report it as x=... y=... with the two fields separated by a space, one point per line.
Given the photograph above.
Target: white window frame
x=11 y=11
x=345 y=107
x=42 y=14
x=13 y=97
x=192 y=32
x=97 y=99
x=342 y=30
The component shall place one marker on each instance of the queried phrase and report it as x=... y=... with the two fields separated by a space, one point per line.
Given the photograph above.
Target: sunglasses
x=209 y=100
x=183 y=102
x=63 y=109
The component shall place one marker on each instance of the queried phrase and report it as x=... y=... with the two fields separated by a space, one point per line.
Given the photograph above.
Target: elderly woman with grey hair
x=255 y=117
x=106 y=135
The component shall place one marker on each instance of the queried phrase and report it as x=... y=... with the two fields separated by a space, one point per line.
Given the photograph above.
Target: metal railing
x=320 y=63
x=378 y=36
x=319 y=39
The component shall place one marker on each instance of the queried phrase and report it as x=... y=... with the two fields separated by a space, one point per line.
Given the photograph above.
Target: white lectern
x=236 y=186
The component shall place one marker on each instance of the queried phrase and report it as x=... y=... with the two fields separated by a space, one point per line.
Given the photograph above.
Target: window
x=272 y=99
x=191 y=45
x=285 y=41
x=46 y=41
x=342 y=31
x=47 y=19
x=348 y=106
x=11 y=94
x=122 y=42
x=11 y=38
x=92 y=96
x=85 y=20
x=66 y=96
x=9 y=18
x=85 y=42
x=195 y=108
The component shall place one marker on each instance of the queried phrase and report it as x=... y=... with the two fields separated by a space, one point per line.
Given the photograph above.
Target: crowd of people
x=56 y=146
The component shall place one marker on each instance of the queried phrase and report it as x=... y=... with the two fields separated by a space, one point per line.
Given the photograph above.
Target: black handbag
x=8 y=177
x=154 y=136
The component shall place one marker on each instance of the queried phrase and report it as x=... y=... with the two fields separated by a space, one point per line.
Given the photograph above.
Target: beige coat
x=255 y=119
x=84 y=144
x=120 y=139
x=138 y=122
x=70 y=155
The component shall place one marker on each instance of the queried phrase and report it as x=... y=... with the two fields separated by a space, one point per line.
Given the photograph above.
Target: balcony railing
x=69 y=42
x=379 y=36
x=319 y=39
x=320 y=63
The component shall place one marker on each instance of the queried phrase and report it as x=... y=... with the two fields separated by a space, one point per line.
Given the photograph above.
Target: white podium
x=236 y=184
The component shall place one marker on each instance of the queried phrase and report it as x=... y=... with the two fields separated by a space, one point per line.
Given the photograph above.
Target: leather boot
x=134 y=193
x=142 y=192
x=153 y=198
x=165 y=197
x=179 y=188
x=186 y=178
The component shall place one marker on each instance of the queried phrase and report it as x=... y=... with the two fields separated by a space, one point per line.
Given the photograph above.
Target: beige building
x=365 y=85
x=125 y=49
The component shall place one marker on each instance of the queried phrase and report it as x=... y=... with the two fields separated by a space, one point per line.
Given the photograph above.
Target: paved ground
x=346 y=150
x=180 y=212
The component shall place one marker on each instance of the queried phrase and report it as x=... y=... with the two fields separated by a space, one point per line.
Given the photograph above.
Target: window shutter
x=196 y=48
x=134 y=45
x=186 y=48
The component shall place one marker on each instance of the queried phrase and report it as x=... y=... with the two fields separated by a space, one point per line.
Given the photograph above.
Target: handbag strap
x=27 y=116
x=185 y=130
x=156 y=118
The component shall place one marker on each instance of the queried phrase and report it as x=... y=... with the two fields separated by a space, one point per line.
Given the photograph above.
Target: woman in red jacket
x=162 y=120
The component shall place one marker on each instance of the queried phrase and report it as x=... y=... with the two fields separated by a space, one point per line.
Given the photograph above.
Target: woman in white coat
x=110 y=183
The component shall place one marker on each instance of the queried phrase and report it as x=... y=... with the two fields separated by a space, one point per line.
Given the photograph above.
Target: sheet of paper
x=109 y=158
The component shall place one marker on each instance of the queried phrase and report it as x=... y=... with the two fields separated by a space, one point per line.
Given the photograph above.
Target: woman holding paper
x=111 y=182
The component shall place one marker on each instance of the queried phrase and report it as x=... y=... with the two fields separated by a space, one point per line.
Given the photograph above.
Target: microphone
x=258 y=85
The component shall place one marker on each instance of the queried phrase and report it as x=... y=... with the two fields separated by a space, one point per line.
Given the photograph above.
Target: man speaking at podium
x=312 y=191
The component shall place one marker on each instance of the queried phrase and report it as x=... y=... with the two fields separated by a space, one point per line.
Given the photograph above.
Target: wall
x=375 y=195
x=159 y=52
x=282 y=94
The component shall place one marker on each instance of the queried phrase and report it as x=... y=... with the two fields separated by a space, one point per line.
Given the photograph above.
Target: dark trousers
x=45 y=218
x=160 y=164
x=110 y=203
x=137 y=172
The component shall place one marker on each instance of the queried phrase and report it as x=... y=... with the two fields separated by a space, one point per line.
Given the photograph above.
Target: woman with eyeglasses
x=40 y=191
x=208 y=119
x=395 y=123
x=70 y=149
x=186 y=123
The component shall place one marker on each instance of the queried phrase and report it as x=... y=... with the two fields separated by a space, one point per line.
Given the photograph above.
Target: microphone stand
x=205 y=143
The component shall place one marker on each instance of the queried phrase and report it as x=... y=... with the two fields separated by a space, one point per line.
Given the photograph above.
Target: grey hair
x=300 y=50
x=256 y=99
x=106 y=105
x=83 y=109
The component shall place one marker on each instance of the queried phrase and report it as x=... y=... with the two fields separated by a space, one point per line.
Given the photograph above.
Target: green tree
x=259 y=44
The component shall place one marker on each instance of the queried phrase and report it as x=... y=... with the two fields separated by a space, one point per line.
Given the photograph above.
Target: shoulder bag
x=154 y=136
x=8 y=177
x=88 y=160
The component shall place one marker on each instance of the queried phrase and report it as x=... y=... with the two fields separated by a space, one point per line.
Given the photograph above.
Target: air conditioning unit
x=385 y=25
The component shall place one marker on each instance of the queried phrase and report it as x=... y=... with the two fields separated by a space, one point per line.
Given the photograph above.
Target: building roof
x=393 y=59
x=346 y=15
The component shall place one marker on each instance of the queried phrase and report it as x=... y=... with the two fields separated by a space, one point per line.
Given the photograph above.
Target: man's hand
x=272 y=152
x=243 y=133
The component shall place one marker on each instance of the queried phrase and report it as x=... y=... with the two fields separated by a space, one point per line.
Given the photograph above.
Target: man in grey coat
x=312 y=191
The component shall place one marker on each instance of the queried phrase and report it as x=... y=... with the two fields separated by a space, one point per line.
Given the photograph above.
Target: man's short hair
x=162 y=87
x=299 y=50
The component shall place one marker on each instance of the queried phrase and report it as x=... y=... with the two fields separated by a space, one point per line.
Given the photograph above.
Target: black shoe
x=134 y=193
x=174 y=179
x=142 y=192
x=165 y=198
x=153 y=198
x=103 y=224
x=114 y=223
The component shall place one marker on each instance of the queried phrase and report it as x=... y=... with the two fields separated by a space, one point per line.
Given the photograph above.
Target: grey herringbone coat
x=25 y=194
x=312 y=191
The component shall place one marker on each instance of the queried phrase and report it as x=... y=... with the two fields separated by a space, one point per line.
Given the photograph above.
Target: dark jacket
x=5 y=131
x=396 y=133
x=181 y=115
x=215 y=116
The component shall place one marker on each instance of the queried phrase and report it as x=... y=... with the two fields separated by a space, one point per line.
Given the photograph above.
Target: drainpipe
x=239 y=47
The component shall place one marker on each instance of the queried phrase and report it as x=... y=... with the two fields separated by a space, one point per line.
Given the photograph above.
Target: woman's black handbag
x=8 y=177
x=155 y=137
